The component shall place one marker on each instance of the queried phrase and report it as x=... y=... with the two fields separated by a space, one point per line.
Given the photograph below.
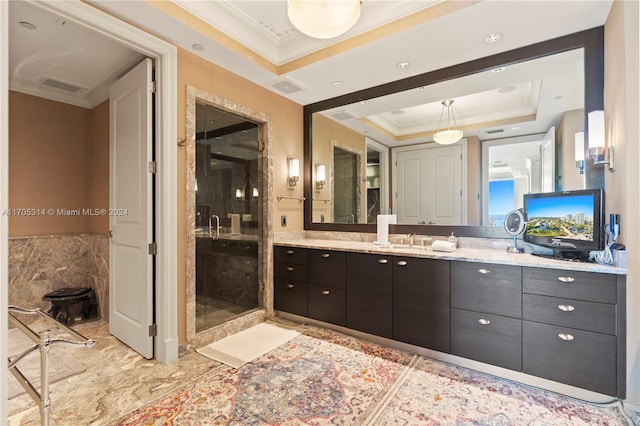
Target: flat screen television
x=569 y=222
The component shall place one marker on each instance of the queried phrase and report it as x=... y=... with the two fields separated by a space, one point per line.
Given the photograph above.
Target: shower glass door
x=227 y=216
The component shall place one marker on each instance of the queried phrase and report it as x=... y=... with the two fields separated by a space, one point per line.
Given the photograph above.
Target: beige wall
x=52 y=164
x=623 y=186
x=572 y=122
x=98 y=197
x=474 y=181
x=286 y=118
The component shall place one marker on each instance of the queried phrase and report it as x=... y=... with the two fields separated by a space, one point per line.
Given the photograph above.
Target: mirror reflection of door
x=428 y=184
x=346 y=193
x=377 y=180
x=513 y=167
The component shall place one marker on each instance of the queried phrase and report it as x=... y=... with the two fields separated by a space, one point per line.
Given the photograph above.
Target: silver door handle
x=484 y=321
x=483 y=271
x=566 y=337
x=325 y=255
x=290 y=286
x=289 y=251
x=566 y=308
x=289 y=268
x=566 y=279
x=325 y=292
x=402 y=263
x=383 y=261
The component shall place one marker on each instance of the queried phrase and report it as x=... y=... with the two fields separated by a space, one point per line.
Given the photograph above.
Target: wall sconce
x=294 y=171
x=579 y=151
x=256 y=194
x=239 y=194
x=598 y=150
x=321 y=177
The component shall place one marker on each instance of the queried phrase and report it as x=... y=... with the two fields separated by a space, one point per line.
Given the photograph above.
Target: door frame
x=165 y=58
x=266 y=236
x=4 y=202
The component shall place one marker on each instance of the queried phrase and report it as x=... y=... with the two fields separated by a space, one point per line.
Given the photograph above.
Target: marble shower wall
x=39 y=265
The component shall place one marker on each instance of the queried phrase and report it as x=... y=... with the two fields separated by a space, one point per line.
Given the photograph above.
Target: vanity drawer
x=489 y=288
x=290 y=271
x=327 y=304
x=590 y=316
x=487 y=338
x=328 y=268
x=290 y=254
x=591 y=286
x=290 y=296
x=578 y=358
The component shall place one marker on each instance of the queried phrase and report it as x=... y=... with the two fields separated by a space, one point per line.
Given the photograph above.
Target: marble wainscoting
x=42 y=264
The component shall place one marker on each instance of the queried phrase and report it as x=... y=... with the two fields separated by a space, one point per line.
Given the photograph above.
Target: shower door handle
x=214 y=235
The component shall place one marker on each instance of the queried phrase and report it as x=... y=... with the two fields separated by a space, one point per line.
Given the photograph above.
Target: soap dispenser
x=453 y=239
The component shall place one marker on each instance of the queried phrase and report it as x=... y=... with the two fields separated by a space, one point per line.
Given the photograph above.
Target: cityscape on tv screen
x=561 y=217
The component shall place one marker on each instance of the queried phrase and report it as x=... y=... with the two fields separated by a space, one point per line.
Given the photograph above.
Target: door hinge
x=153 y=249
x=153 y=167
x=153 y=330
x=152 y=86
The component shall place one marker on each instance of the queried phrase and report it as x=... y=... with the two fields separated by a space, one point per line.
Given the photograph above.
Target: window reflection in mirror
x=520 y=100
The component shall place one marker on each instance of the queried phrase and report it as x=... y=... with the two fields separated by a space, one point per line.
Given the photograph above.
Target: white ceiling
x=70 y=53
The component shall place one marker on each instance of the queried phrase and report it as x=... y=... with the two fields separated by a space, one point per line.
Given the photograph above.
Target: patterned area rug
x=319 y=378
x=326 y=378
x=435 y=393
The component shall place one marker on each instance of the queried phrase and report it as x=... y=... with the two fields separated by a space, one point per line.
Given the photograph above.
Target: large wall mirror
x=372 y=151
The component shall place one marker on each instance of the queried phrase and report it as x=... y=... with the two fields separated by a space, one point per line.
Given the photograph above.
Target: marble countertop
x=499 y=256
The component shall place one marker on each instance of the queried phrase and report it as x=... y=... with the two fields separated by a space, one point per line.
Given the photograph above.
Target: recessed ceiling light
x=28 y=25
x=197 y=46
x=499 y=69
x=402 y=65
x=492 y=38
x=337 y=84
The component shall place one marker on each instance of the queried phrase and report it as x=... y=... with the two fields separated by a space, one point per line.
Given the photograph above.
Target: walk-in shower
x=227 y=216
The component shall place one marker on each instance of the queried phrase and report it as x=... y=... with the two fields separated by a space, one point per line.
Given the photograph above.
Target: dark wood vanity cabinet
x=327 y=275
x=421 y=302
x=486 y=312
x=369 y=293
x=290 y=280
x=573 y=328
x=561 y=325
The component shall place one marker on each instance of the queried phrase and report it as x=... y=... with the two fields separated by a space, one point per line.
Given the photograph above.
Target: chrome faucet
x=410 y=238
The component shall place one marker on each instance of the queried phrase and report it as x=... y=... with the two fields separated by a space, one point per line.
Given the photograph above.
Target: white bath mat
x=61 y=363
x=249 y=344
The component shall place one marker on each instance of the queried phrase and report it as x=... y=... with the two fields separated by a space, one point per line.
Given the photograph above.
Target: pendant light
x=449 y=136
x=323 y=18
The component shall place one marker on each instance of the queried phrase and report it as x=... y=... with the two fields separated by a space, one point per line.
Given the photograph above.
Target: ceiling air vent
x=285 y=86
x=62 y=85
x=342 y=115
x=495 y=131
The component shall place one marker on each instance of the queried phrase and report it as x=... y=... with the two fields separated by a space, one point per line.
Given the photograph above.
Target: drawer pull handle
x=566 y=279
x=383 y=261
x=402 y=263
x=483 y=271
x=289 y=268
x=484 y=321
x=566 y=308
x=289 y=251
x=566 y=337
x=290 y=286
x=325 y=255
x=325 y=292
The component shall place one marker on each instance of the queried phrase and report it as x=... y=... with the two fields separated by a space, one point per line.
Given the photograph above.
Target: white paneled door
x=131 y=209
x=428 y=185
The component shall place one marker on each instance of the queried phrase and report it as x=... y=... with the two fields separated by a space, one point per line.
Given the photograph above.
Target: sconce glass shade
x=294 y=171
x=579 y=146
x=321 y=176
x=596 y=129
x=449 y=136
x=323 y=18
x=239 y=193
x=256 y=193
